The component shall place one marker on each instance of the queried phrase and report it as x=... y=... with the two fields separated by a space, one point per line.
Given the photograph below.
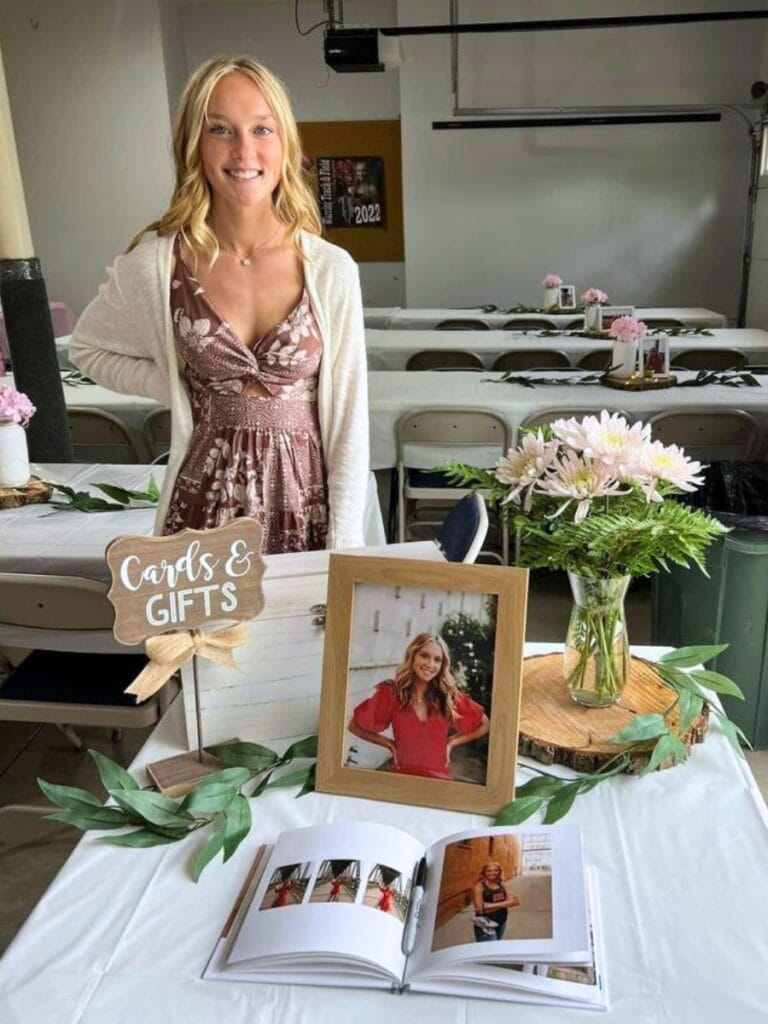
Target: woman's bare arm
x=373 y=737
x=467 y=737
x=477 y=897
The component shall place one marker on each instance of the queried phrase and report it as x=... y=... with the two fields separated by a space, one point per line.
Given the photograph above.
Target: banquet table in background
x=390 y=349
x=131 y=409
x=682 y=862
x=393 y=393
x=426 y=319
x=38 y=539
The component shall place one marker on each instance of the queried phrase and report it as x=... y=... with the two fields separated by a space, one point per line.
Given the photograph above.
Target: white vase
x=624 y=358
x=593 y=317
x=551 y=298
x=14 y=457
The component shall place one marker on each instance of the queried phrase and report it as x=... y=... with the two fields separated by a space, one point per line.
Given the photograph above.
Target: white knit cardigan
x=125 y=341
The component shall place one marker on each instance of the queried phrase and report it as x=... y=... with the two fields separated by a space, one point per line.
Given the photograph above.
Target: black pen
x=414 y=909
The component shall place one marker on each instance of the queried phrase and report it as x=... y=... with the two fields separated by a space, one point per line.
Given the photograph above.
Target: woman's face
x=240 y=148
x=492 y=872
x=428 y=661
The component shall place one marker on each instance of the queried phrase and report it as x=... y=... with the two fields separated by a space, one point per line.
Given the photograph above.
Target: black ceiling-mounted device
x=353 y=50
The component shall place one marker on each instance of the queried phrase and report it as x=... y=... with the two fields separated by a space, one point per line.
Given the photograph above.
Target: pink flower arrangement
x=15 y=407
x=627 y=328
x=592 y=296
x=552 y=281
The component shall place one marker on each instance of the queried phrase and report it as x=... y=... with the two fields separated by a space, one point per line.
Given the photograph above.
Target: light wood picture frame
x=379 y=609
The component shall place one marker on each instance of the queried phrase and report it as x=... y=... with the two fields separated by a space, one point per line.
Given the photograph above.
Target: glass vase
x=14 y=458
x=551 y=299
x=593 y=318
x=596 y=658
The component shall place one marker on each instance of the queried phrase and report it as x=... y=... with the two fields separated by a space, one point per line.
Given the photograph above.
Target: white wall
x=267 y=31
x=653 y=214
x=87 y=92
x=757 y=296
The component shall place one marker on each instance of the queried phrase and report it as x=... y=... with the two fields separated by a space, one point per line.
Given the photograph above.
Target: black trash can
x=731 y=606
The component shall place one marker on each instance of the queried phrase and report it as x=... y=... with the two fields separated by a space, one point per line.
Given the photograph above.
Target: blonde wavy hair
x=442 y=690
x=293 y=200
x=491 y=864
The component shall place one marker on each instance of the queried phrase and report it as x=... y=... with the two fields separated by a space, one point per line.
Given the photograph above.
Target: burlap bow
x=167 y=653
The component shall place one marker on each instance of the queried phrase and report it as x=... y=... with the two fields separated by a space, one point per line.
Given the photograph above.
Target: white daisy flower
x=521 y=467
x=670 y=464
x=578 y=479
x=609 y=440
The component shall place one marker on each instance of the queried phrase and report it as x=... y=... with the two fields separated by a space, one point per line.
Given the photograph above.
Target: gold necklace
x=245 y=261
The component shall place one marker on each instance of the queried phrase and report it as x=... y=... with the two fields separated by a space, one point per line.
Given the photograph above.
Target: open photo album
x=498 y=913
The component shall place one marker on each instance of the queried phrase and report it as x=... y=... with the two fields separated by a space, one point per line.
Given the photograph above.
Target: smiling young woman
x=236 y=314
x=424 y=710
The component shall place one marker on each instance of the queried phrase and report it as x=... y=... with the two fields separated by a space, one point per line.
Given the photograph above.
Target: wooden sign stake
x=163 y=590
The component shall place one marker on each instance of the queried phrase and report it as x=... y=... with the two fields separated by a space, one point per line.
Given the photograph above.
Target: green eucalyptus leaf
x=153 y=808
x=237 y=824
x=244 y=755
x=116 y=493
x=101 y=818
x=140 y=837
x=644 y=727
x=68 y=796
x=309 y=785
x=668 y=746
x=302 y=748
x=718 y=682
x=561 y=802
x=112 y=775
x=234 y=776
x=209 y=850
x=297 y=777
x=263 y=784
x=522 y=807
x=680 y=680
x=690 y=657
x=213 y=798
x=543 y=786
x=733 y=733
x=690 y=707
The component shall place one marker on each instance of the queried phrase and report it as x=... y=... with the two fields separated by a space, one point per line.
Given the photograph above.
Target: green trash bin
x=730 y=607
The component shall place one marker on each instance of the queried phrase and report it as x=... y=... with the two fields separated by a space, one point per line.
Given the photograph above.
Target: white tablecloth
x=392 y=394
x=131 y=409
x=37 y=539
x=424 y=319
x=682 y=855
x=390 y=349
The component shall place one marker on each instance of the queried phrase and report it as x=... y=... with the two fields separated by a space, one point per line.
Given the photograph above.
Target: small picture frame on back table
x=422 y=678
x=567 y=296
x=611 y=313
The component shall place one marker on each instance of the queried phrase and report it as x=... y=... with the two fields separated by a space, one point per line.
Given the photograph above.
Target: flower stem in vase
x=596 y=657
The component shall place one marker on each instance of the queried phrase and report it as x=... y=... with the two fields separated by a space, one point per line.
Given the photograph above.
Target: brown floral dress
x=250 y=455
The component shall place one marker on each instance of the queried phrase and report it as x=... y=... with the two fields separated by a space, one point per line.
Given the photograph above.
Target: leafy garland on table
x=726 y=378
x=122 y=498
x=216 y=800
x=646 y=734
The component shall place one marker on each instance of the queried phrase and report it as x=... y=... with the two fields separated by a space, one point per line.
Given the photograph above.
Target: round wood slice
x=554 y=729
x=33 y=492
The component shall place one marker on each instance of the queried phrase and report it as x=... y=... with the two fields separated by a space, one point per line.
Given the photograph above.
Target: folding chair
x=546 y=416
x=707 y=434
x=156 y=432
x=444 y=359
x=77 y=671
x=710 y=359
x=532 y=359
x=522 y=323
x=425 y=438
x=462 y=325
x=98 y=436
x=662 y=323
x=598 y=359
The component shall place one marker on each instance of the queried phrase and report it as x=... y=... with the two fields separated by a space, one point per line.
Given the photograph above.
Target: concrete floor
x=32 y=850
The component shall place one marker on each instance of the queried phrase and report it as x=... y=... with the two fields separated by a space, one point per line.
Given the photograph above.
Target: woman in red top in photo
x=425 y=710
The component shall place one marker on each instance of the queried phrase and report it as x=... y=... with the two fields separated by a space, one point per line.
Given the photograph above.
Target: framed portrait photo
x=422 y=674
x=566 y=296
x=611 y=313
